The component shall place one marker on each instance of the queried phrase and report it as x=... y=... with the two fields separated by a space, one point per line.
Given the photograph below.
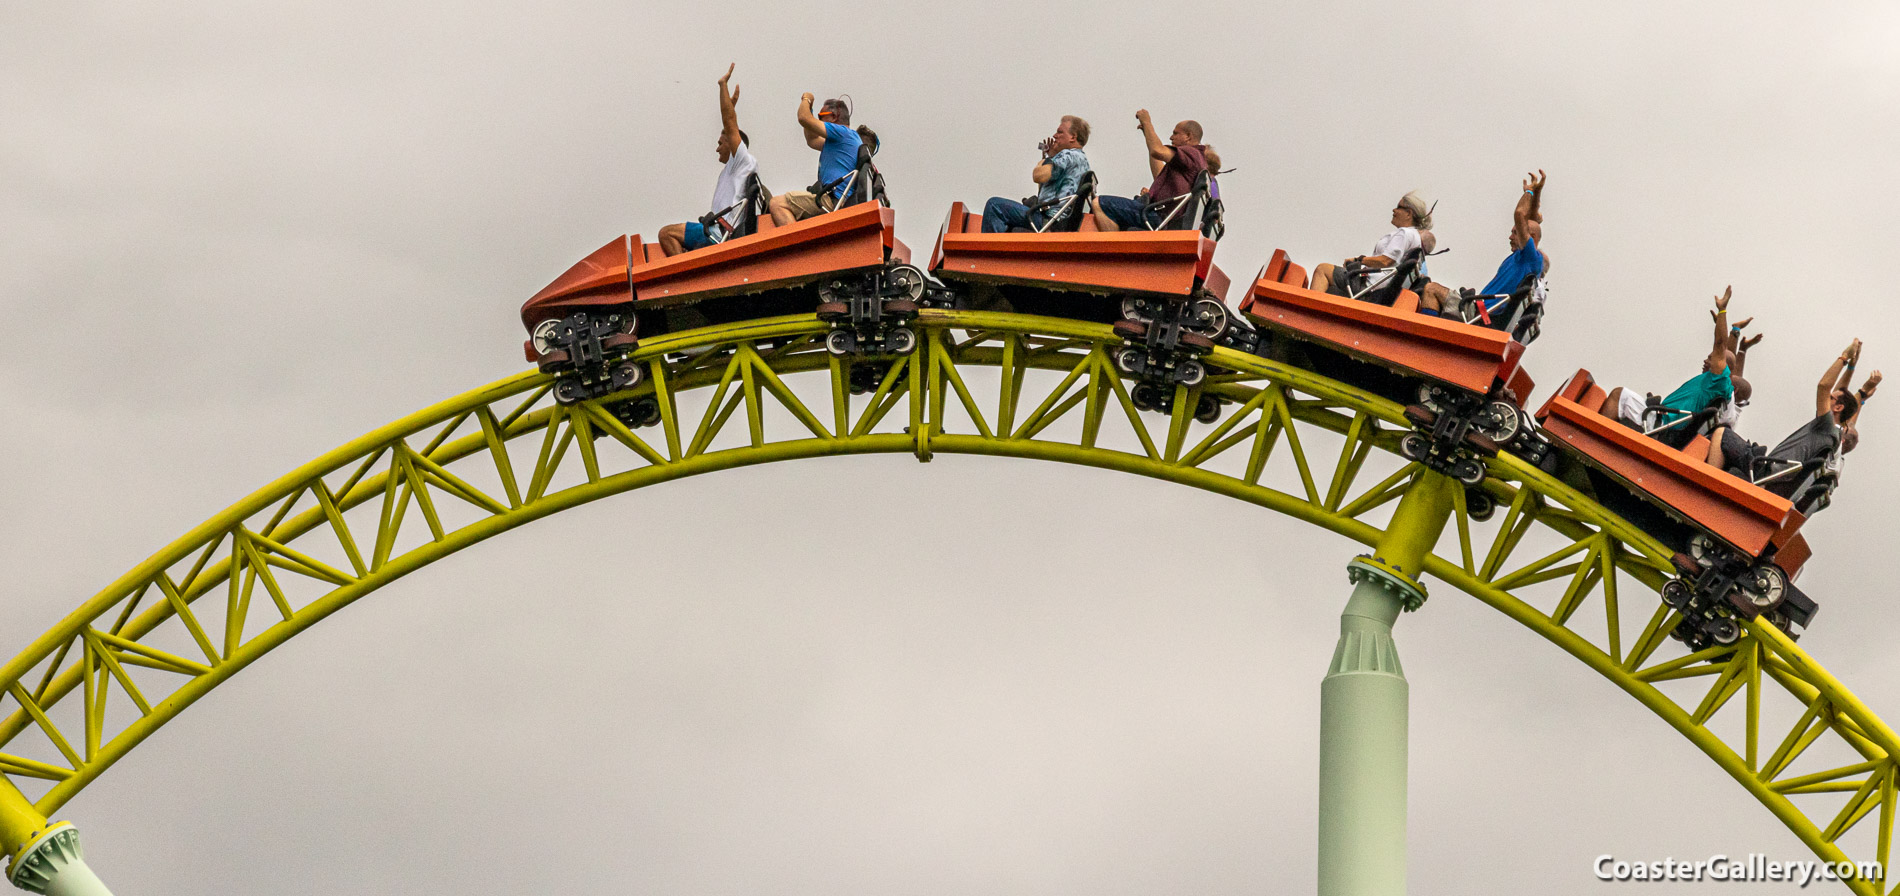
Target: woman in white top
x=1410 y=216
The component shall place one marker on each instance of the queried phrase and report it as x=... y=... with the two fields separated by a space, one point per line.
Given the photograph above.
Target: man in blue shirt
x=1526 y=261
x=1059 y=174
x=830 y=133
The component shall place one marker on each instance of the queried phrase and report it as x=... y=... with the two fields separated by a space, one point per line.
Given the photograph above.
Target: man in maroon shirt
x=1175 y=164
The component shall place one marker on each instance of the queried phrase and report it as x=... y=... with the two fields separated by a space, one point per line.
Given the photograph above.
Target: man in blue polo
x=1058 y=174
x=829 y=131
x=1526 y=261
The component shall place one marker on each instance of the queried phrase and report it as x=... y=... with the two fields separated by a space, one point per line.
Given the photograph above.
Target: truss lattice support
x=198 y=612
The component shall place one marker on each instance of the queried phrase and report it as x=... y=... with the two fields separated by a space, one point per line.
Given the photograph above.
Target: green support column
x=46 y=857
x=1362 y=709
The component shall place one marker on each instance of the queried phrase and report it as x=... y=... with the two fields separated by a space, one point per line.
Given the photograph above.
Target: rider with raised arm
x=1058 y=174
x=1409 y=216
x=1526 y=261
x=1836 y=405
x=1712 y=388
x=1175 y=164
x=829 y=131
x=728 y=190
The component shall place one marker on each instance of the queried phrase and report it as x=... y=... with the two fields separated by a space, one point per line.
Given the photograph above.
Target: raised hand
x=1867 y=388
x=735 y=94
x=1141 y=116
x=1751 y=341
x=1721 y=301
x=728 y=75
x=806 y=98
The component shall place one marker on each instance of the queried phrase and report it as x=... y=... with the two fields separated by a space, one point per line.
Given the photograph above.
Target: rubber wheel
x=902 y=340
x=1675 y=594
x=1210 y=318
x=1131 y=330
x=1480 y=506
x=1723 y=630
x=1128 y=361
x=1413 y=446
x=1764 y=587
x=1146 y=396
x=839 y=342
x=1467 y=471
x=1197 y=341
x=833 y=310
x=1190 y=373
x=1702 y=548
x=1207 y=410
x=543 y=336
x=566 y=391
x=627 y=376
x=900 y=308
x=909 y=280
x=1499 y=421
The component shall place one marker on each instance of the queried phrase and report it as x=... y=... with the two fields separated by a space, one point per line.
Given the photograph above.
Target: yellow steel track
x=421 y=488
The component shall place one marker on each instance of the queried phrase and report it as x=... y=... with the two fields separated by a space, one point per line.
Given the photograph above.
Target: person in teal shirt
x=1713 y=387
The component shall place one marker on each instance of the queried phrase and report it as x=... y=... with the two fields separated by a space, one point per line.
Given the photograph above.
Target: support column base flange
x=1367 y=568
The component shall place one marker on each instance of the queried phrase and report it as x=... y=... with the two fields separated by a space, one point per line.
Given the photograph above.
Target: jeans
x=1126 y=213
x=999 y=215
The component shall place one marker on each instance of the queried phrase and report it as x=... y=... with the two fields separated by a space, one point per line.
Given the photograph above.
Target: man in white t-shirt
x=1409 y=216
x=728 y=192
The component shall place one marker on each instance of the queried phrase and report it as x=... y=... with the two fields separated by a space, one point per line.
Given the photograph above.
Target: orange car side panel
x=1466 y=356
x=598 y=279
x=1168 y=262
x=1740 y=513
x=858 y=237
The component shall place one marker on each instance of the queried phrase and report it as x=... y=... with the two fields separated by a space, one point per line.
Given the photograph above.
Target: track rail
x=225 y=594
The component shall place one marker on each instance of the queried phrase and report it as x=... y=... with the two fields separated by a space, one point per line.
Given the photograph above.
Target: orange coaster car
x=846 y=265
x=1462 y=381
x=1739 y=545
x=1160 y=288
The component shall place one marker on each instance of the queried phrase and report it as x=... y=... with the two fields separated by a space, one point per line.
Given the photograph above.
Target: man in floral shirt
x=1059 y=173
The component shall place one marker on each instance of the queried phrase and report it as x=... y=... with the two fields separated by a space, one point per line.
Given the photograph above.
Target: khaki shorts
x=804 y=205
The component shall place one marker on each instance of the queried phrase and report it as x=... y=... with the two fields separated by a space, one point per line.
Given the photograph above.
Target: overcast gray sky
x=235 y=235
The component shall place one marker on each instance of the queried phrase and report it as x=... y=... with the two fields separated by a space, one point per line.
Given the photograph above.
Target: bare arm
x=1527 y=205
x=814 y=128
x=1718 y=356
x=1742 y=346
x=729 y=109
x=1159 y=153
x=1824 y=390
x=1847 y=374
